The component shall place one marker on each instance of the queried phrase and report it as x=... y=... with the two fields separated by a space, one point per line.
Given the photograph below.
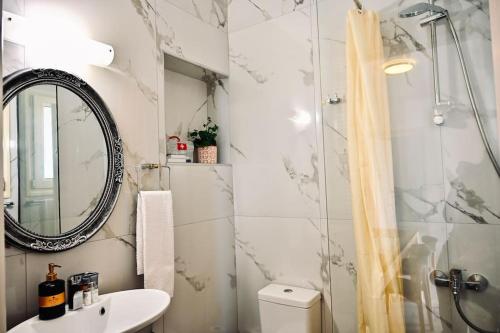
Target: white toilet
x=285 y=309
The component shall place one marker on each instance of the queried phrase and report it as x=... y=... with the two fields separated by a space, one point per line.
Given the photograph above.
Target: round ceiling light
x=399 y=66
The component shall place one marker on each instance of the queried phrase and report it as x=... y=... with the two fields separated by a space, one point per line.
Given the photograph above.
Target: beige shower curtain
x=379 y=290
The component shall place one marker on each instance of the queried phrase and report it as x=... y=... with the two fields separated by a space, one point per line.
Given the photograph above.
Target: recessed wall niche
x=192 y=94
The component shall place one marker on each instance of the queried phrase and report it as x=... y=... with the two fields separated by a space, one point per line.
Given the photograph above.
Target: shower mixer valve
x=455 y=282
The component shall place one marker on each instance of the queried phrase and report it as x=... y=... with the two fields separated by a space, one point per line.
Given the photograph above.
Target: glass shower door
x=447 y=193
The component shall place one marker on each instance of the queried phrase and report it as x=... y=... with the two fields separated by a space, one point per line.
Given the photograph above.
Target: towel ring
x=149 y=166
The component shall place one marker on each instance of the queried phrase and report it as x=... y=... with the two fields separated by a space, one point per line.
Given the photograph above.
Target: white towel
x=155 y=240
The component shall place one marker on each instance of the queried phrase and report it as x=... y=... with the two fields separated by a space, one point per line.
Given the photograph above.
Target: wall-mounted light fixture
x=50 y=44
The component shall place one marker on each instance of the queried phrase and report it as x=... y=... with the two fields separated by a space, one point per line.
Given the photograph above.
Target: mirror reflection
x=55 y=160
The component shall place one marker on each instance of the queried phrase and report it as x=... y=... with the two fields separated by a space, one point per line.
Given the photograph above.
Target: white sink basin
x=124 y=311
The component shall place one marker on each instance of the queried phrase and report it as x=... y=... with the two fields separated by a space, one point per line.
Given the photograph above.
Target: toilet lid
x=291 y=296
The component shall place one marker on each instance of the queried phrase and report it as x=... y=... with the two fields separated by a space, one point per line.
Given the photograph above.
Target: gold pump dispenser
x=51 y=275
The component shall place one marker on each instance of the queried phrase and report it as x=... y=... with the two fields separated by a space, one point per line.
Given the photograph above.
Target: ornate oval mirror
x=63 y=161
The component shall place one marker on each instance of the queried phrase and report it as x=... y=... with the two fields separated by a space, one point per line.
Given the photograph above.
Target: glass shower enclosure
x=447 y=192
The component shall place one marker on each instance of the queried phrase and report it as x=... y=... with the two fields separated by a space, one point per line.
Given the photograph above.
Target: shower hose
x=489 y=150
x=472 y=99
x=456 y=298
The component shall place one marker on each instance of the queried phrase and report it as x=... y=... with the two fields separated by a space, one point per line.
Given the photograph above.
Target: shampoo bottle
x=51 y=296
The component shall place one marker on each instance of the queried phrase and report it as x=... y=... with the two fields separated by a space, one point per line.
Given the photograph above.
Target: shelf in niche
x=194 y=93
x=189 y=69
x=198 y=165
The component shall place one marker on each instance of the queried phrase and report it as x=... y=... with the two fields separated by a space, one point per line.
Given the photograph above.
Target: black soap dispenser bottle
x=51 y=296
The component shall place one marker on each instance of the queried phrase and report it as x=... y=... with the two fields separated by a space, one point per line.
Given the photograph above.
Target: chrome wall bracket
x=334 y=100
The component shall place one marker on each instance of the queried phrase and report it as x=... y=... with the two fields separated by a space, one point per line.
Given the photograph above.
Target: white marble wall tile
x=78 y=196
x=220 y=112
x=342 y=261
x=336 y=166
x=274 y=250
x=205 y=280
x=88 y=257
x=272 y=119
x=213 y=12
x=246 y=13
x=201 y=192
x=419 y=186
x=11 y=250
x=132 y=74
x=14 y=6
x=13 y=57
x=331 y=39
x=184 y=36
x=472 y=186
x=474 y=248
x=15 y=274
x=326 y=267
x=186 y=104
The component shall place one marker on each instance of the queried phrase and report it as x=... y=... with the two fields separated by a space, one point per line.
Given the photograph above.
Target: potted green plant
x=204 y=142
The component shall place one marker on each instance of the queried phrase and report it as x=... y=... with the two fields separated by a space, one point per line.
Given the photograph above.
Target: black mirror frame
x=20 y=237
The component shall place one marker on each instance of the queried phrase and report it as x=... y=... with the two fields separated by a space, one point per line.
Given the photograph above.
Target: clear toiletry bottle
x=94 y=292
x=87 y=293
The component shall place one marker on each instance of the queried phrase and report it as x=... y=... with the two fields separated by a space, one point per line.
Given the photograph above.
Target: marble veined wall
x=446 y=189
x=205 y=280
x=278 y=180
x=141 y=32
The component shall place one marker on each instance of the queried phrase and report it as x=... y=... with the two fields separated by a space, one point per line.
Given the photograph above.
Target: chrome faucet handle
x=476 y=282
x=440 y=278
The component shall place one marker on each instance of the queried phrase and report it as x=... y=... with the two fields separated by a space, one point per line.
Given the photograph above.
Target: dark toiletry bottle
x=75 y=294
x=51 y=296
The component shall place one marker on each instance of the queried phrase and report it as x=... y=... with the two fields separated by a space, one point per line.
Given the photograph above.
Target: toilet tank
x=286 y=309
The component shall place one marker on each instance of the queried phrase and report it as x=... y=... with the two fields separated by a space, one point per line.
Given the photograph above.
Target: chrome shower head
x=421 y=8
